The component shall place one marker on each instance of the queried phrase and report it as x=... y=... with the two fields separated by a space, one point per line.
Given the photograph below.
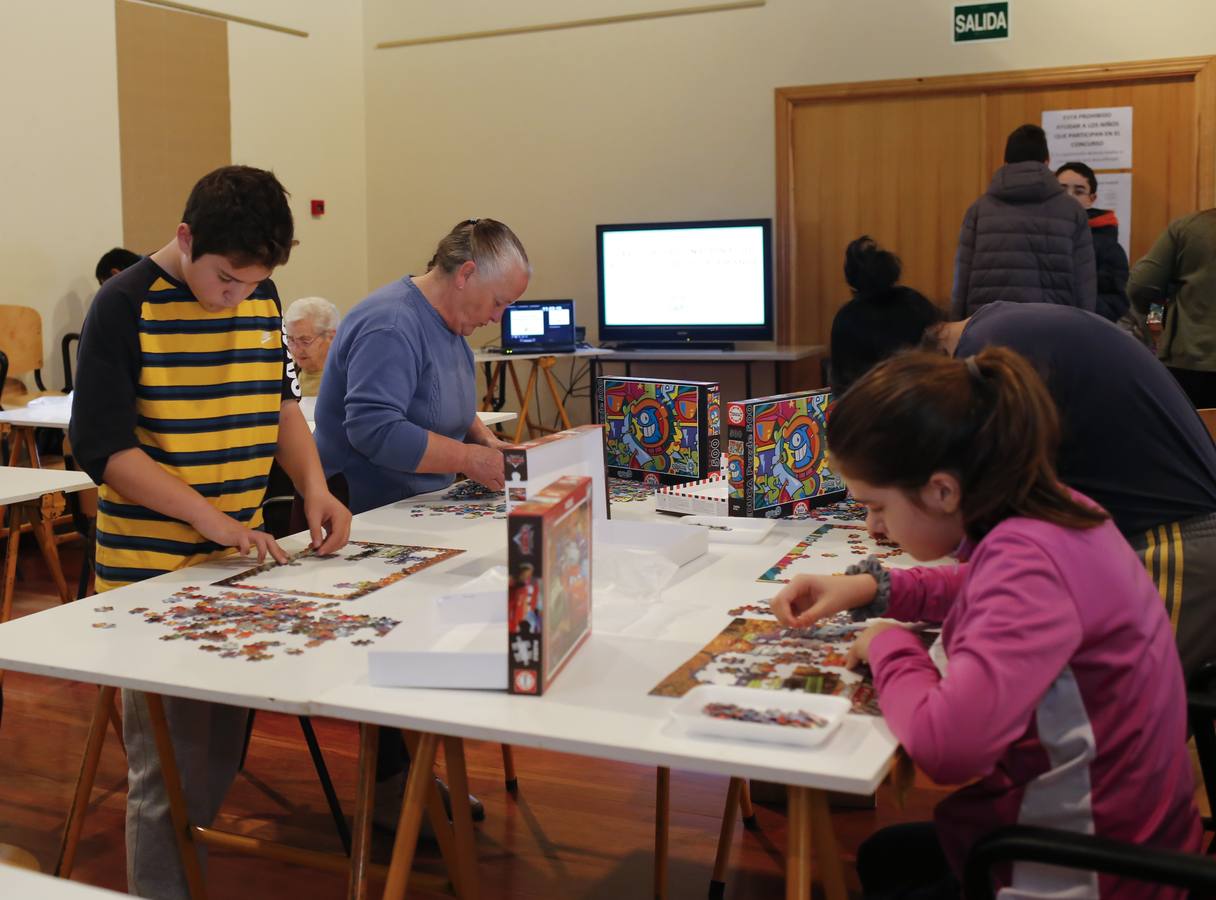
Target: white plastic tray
x=689 y=714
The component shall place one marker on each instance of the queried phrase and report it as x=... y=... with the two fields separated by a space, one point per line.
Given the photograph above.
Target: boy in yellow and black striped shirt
x=186 y=394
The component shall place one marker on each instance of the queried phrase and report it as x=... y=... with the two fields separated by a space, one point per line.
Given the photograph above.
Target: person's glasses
x=303 y=342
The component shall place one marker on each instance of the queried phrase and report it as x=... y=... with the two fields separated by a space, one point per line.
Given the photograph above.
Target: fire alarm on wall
x=318 y=208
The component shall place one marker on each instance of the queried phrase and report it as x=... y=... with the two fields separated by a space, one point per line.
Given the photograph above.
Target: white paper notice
x=1115 y=192
x=1100 y=138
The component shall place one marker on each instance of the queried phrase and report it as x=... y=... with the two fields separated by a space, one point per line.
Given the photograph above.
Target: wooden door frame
x=1202 y=69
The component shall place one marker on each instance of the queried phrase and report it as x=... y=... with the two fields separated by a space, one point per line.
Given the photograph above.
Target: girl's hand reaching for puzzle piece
x=859 y=650
x=809 y=598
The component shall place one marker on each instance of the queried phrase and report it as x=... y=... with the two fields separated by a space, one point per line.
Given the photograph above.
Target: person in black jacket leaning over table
x=1129 y=437
x=1024 y=240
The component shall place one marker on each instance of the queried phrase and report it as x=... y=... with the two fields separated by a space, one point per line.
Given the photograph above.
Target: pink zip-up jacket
x=1062 y=703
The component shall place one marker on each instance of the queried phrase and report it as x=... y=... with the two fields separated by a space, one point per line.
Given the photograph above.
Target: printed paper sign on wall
x=1100 y=138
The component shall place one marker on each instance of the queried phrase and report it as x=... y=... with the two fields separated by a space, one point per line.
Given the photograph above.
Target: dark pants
x=905 y=862
x=1199 y=386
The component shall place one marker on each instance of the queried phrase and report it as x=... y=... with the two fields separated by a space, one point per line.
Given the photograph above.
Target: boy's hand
x=809 y=598
x=228 y=532
x=859 y=650
x=484 y=465
x=322 y=510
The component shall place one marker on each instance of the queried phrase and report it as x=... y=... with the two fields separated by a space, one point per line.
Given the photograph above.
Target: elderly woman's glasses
x=303 y=342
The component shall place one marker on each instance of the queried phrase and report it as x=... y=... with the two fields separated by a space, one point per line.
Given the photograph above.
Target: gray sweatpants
x=1181 y=560
x=207 y=740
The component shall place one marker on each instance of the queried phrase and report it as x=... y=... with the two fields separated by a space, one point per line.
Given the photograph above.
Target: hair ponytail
x=988 y=420
x=487 y=242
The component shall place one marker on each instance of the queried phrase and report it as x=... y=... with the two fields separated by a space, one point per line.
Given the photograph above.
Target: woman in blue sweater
x=397 y=410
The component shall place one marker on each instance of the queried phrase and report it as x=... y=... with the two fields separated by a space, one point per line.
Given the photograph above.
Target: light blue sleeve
x=381 y=377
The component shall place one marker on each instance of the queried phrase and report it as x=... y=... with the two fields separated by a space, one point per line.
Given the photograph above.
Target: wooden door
x=902 y=160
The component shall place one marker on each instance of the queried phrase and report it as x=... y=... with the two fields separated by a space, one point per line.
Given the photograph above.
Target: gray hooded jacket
x=1026 y=241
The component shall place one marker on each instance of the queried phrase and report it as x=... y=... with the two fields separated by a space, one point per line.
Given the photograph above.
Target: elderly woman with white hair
x=397 y=413
x=310 y=324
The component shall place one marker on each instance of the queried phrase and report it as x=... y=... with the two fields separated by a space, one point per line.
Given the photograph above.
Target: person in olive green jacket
x=1180 y=272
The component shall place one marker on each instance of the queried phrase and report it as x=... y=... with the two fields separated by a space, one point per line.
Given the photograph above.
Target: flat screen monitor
x=686 y=282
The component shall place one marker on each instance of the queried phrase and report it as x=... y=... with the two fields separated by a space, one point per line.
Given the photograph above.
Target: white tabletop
x=20 y=883
x=484 y=356
x=599 y=706
x=743 y=354
x=58 y=414
x=18 y=483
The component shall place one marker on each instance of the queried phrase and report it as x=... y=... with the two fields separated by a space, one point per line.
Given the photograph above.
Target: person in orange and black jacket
x=1080 y=182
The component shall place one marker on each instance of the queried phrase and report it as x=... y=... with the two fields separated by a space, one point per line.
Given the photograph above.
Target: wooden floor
x=579 y=827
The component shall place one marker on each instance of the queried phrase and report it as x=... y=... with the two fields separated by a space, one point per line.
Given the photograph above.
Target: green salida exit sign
x=981 y=22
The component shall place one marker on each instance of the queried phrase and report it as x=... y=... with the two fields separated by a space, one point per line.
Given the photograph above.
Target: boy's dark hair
x=882 y=318
x=1084 y=171
x=1027 y=143
x=240 y=213
x=987 y=419
x=119 y=258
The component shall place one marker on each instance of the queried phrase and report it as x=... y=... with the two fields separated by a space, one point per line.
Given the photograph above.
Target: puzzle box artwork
x=764 y=654
x=354 y=571
x=661 y=432
x=776 y=455
x=549 y=583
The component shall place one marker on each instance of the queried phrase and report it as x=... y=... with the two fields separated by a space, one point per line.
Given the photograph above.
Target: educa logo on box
x=525 y=682
x=734 y=414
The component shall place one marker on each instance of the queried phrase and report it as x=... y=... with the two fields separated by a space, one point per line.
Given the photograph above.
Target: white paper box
x=689 y=714
x=471 y=655
x=732 y=529
x=680 y=544
x=482 y=600
x=532 y=467
x=698 y=498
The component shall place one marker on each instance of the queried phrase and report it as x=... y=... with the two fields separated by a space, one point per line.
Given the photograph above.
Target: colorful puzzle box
x=549 y=582
x=776 y=456
x=661 y=432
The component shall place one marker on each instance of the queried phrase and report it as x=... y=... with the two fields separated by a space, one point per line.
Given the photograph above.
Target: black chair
x=65 y=347
x=1050 y=846
x=1201 y=715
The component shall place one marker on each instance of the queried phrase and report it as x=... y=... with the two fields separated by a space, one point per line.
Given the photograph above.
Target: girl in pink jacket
x=1062 y=702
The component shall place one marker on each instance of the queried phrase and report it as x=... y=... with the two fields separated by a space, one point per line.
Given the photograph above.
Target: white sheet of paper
x=1115 y=192
x=1100 y=137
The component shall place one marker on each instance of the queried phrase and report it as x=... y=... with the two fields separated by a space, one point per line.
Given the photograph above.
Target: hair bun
x=868 y=268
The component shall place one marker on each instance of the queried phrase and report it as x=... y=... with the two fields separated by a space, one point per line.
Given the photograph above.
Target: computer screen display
x=686 y=281
x=535 y=325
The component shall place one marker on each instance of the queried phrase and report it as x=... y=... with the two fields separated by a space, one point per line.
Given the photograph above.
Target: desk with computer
x=669 y=292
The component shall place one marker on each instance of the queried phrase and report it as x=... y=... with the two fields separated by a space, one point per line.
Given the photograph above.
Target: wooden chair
x=21 y=343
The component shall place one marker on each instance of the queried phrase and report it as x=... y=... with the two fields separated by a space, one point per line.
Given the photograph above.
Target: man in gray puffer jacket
x=1025 y=240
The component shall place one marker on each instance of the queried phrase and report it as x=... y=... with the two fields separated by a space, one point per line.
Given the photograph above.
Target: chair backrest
x=1209 y=419
x=21 y=338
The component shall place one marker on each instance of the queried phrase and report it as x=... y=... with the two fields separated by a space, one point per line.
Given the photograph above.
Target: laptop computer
x=538 y=326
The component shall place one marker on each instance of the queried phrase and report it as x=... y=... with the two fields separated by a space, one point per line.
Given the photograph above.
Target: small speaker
x=580 y=333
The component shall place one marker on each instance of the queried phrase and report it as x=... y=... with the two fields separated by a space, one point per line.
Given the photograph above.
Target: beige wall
x=668 y=119
x=297 y=108
x=61 y=204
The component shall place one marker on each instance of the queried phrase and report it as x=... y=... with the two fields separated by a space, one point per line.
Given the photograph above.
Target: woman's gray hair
x=323 y=314
x=488 y=243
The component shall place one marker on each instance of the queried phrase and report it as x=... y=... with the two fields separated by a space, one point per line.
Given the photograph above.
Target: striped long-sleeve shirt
x=198 y=391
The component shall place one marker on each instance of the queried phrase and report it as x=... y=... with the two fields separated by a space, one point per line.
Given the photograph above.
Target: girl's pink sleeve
x=924 y=594
x=1015 y=638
